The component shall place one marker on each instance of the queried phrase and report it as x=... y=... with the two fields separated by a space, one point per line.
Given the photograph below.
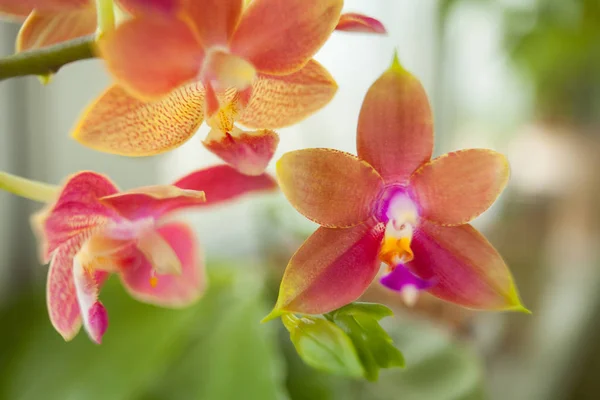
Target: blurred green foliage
x=215 y=350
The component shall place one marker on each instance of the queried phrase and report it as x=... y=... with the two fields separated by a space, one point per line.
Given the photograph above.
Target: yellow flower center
x=403 y=217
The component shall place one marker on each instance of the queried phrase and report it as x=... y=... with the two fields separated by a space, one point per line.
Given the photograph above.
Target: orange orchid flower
x=248 y=64
x=48 y=22
x=394 y=205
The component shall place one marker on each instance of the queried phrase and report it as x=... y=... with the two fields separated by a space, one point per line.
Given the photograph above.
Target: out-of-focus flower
x=392 y=204
x=48 y=22
x=92 y=230
x=216 y=60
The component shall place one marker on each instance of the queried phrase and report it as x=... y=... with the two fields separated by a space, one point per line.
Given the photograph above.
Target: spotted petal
x=121 y=124
x=330 y=187
x=331 y=269
x=168 y=290
x=395 y=128
x=223 y=183
x=75 y=213
x=465 y=267
x=457 y=187
x=280 y=101
x=43 y=29
x=152 y=201
x=353 y=22
x=280 y=36
x=150 y=57
x=248 y=152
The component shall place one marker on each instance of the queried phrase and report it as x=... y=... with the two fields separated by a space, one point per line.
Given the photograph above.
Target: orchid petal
x=225 y=70
x=152 y=57
x=152 y=201
x=63 y=306
x=223 y=183
x=331 y=269
x=159 y=253
x=465 y=267
x=329 y=187
x=248 y=152
x=215 y=20
x=76 y=212
x=120 y=124
x=167 y=290
x=280 y=36
x=353 y=22
x=43 y=29
x=280 y=101
x=457 y=187
x=22 y=8
x=395 y=132
x=401 y=277
x=159 y=8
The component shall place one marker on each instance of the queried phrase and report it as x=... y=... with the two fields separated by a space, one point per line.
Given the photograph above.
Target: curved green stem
x=27 y=188
x=106 y=16
x=47 y=60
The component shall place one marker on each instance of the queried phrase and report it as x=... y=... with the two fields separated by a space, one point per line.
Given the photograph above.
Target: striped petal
x=465 y=268
x=118 y=123
x=43 y=29
x=280 y=36
x=395 y=128
x=151 y=57
x=167 y=290
x=223 y=183
x=280 y=101
x=75 y=213
x=332 y=268
x=353 y=22
x=152 y=201
x=248 y=152
x=330 y=187
x=457 y=187
x=215 y=20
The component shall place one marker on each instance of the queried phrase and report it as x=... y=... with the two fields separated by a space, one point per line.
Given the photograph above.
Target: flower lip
x=389 y=197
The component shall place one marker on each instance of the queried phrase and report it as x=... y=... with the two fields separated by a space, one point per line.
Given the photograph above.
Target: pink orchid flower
x=93 y=230
x=48 y=22
x=394 y=205
x=178 y=63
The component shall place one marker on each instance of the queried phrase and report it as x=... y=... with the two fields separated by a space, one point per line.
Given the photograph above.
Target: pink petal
x=169 y=290
x=464 y=266
x=223 y=183
x=280 y=36
x=248 y=152
x=331 y=269
x=354 y=22
x=152 y=201
x=76 y=212
x=61 y=296
x=457 y=187
x=43 y=29
x=215 y=20
x=395 y=125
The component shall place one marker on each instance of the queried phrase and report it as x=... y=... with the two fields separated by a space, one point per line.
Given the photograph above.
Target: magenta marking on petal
x=98 y=322
x=385 y=198
x=401 y=277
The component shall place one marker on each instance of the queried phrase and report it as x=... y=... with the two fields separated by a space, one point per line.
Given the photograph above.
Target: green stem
x=27 y=188
x=47 y=60
x=106 y=16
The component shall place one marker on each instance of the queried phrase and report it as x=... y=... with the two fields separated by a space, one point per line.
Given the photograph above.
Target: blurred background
x=519 y=76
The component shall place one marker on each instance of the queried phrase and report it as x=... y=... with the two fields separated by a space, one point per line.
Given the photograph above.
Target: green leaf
x=374 y=346
x=322 y=345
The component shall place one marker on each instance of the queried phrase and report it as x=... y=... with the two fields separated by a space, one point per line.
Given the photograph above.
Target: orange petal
x=279 y=101
x=395 y=127
x=332 y=268
x=151 y=57
x=120 y=124
x=159 y=8
x=22 y=8
x=225 y=70
x=457 y=187
x=48 y=28
x=280 y=36
x=330 y=187
x=215 y=20
x=353 y=22
x=464 y=267
x=248 y=152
